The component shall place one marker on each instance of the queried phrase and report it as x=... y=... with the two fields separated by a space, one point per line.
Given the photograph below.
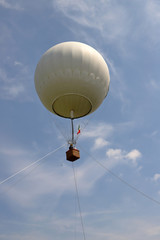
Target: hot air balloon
x=72 y=80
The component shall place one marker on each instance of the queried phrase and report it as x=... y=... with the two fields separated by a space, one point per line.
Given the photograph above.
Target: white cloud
x=119 y=156
x=114 y=157
x=100 y=130
x=17 y=63
x=153 y=11
x=153 y=231
x=13 y=158
x=11 y=151
x=45 y=180
x=150 y=22
x=100 y=143
x=8 y=5
x=99 y=133
x=12 y=92
x=153 y=85
x=114 y=153
x=14 y=85
x=134 y=155
x=40 y=181
x=112 y=67
x=156 y=177
x=114 y=22
x=108 y=17
x=75 y=10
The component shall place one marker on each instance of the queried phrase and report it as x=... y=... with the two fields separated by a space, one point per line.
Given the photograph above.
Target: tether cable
x=122 y=180
x=21 y=178
x=30 y=165
x=78 y=201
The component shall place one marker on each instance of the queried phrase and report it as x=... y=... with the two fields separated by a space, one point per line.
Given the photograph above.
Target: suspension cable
x=78 y=201
x=30 y=165
x=122 y=180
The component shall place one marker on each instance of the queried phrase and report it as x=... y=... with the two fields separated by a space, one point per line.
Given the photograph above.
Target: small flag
x=79 y=130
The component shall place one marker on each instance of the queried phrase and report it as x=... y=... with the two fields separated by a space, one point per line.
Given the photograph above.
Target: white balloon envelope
x=72 y=79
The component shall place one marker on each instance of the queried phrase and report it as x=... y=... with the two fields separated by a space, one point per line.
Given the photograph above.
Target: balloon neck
x=72 y=126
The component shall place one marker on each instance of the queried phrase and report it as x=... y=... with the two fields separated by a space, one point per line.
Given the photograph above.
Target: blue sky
x=123 y=134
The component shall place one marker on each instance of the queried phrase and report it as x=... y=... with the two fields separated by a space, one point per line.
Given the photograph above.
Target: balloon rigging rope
x=83 y=128
x=78 y=201
x=30 y=165
x=59 y=128
x=122 y=180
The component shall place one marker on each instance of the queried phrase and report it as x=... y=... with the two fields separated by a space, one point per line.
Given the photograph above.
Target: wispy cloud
x=153 y=86
x=14 y=84
x=108 y=17
x=98 y=130
x=113 y=21
x=8 y=5
x=11 y=92
x=156 y=177
x=153 y=11
x=150 y=22
x=15 y=158
x=87 y=175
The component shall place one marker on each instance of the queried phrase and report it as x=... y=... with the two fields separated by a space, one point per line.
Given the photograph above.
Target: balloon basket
x=72 y=154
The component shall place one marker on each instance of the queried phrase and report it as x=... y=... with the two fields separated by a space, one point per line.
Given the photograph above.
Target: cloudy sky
x=122 y=136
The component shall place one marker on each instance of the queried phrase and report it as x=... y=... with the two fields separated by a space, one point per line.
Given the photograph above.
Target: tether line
x=78 y=201
x=30 y=165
